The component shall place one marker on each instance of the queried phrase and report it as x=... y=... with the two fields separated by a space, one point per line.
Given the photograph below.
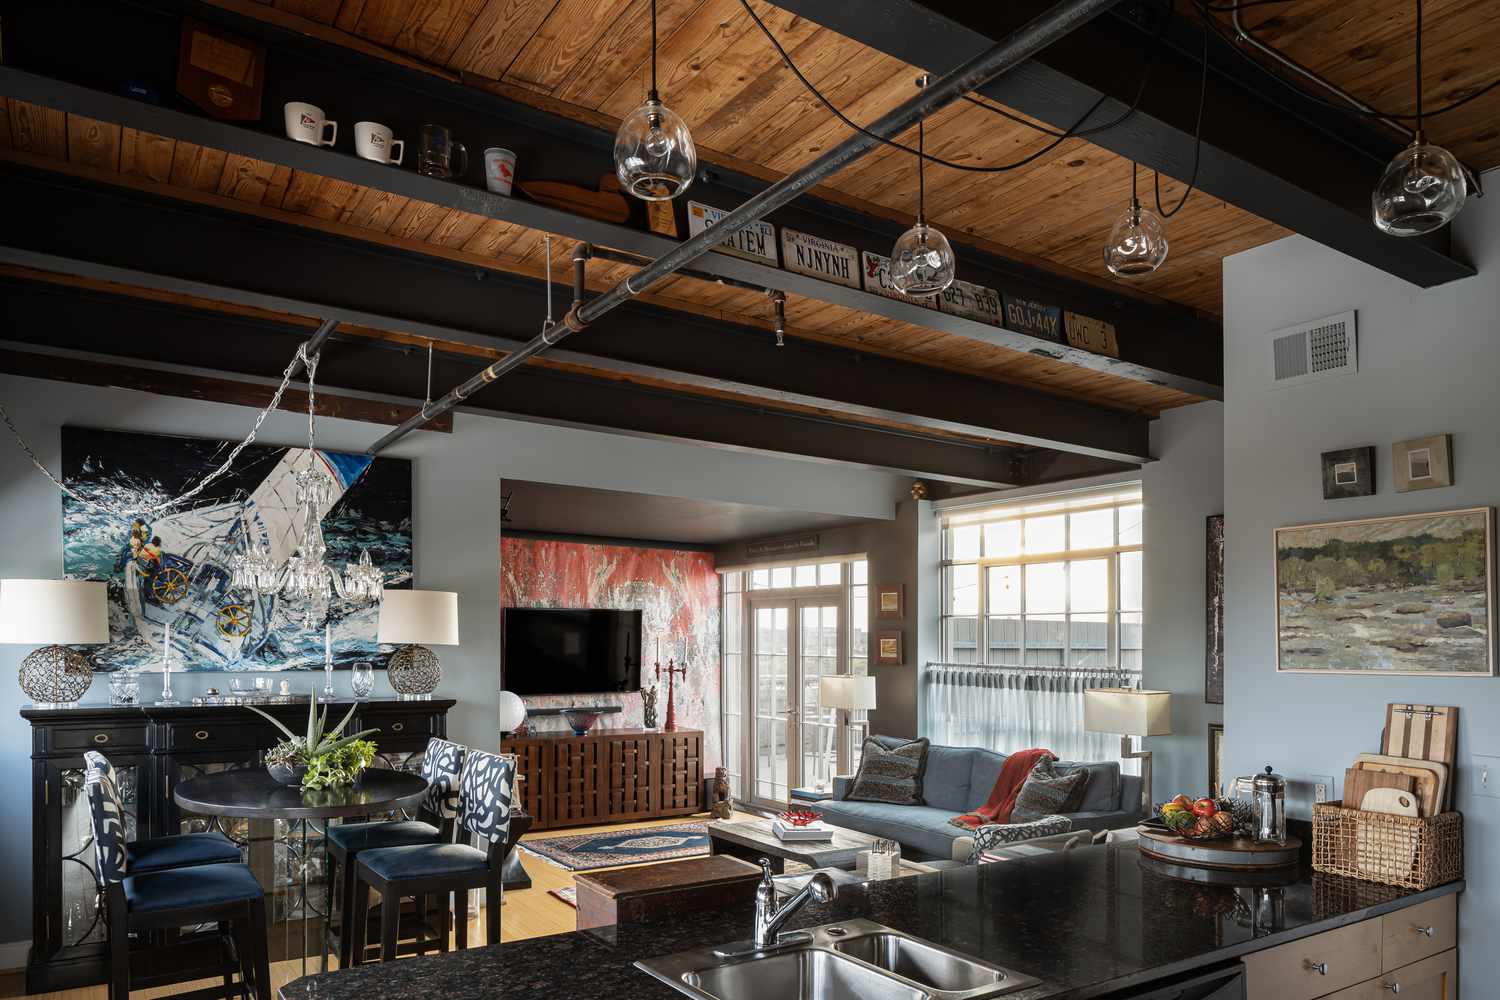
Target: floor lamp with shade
x=848 y=694
x=1131 y=712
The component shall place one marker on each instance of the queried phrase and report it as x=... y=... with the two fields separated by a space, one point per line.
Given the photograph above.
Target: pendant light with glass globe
x=654 y=154
x=1137 y=243
x=922 y=261
x=1423 y=188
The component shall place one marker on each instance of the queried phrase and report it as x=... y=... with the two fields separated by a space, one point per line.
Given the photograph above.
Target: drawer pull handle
x=101 y=738
x=1393 y=987
x=396 y=727
x=201 y=734
x=1321 y=968
x=1426 y=932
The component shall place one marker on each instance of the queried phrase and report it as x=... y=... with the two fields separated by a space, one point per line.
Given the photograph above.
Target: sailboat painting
x=173 y=568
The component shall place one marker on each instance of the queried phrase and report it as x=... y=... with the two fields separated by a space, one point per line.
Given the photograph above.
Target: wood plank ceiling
x=1367 y=47
x=590 y=57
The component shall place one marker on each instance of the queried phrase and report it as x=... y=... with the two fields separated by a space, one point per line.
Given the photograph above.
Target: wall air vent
x=1311 y=351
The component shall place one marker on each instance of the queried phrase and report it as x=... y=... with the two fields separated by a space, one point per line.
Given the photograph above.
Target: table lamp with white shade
x=847 y=693
x=1130 y=712
x=55 y=614
x=512 y=712
x=412 y=619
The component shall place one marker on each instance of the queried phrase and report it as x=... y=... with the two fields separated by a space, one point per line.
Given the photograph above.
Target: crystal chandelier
x=922 y=261
x=1137 y=243
x=1424 y=187
x=306 y=577
x=655 y=158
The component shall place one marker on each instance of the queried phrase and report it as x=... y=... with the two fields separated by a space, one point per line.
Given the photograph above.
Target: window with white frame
x=1047 y=582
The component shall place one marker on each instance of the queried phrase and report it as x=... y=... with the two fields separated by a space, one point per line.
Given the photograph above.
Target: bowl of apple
x=1203 y=818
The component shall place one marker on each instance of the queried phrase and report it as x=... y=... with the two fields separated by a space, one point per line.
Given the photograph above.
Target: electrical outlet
x=1486 y=771
x=1322 y=787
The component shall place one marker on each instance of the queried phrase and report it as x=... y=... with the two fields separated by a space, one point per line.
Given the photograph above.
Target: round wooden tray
x=1230 y=852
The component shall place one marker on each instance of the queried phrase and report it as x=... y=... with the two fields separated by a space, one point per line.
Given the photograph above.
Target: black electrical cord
x=1072 y=132
x=1197 y=143
x=1205 y=12
x=654 y=95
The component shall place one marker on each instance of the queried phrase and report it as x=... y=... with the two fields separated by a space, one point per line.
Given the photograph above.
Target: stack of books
x=812 y=831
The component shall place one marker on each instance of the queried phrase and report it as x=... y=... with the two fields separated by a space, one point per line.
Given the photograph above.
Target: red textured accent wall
x=677 y=591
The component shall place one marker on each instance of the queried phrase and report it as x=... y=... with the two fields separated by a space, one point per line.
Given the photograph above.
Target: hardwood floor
x=528 y=913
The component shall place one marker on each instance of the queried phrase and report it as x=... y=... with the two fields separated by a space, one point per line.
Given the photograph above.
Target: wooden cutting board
x=1421 y=732
x=1358 y=782
x=1431 y=777
x=1390 y=800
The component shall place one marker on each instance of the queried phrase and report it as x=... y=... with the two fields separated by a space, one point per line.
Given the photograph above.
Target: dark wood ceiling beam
x=1265 y=149
x=57 y=226
x=1163 y=344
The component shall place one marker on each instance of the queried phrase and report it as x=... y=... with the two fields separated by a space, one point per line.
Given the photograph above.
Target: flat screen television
x=571 y=651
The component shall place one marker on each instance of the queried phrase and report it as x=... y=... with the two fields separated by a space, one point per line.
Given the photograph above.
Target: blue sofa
x=958 y=780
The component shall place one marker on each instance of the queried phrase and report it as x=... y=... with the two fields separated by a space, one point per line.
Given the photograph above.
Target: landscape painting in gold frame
x=1410 y=594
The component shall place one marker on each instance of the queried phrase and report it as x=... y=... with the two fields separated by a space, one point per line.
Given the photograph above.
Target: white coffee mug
x=374 y=141
x=499 y=169
x=305 y=123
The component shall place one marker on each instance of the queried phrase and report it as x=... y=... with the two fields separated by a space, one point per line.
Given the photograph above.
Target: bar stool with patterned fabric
x=484 y=805
x=182 y=850
x=223 y=893
x=442 y=766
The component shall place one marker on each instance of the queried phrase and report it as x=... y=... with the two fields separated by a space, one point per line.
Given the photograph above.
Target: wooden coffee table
x=753 y=839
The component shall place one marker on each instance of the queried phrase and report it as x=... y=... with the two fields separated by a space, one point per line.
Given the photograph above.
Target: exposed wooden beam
x=1282 y=158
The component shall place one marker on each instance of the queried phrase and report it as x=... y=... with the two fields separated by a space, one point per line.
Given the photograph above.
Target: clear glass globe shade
x=654 y=154
x=1137 y=243
x=512 y=712
x=1422 y=189
x=922 y=261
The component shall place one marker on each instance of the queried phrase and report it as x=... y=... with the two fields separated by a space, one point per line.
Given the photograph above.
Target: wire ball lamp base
x=414 y=672
x=54 y=676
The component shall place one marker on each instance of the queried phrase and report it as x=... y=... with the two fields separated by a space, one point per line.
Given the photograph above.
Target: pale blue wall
x=1429 y=363
x=456 y=501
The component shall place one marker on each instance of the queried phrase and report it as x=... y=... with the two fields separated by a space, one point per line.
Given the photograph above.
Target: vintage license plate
x=1091 y=334
x=877 y=277
x=971 y=301
x=755 y=242
x=1039 y=319
x=819 y=258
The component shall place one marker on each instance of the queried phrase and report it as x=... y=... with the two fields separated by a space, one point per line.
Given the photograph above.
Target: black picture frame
x=1348 y=473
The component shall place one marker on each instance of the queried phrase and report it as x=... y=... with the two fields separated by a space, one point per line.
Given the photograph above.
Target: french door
x=793 y=643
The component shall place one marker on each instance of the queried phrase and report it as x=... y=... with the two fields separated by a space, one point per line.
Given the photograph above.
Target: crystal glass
x=1421 y=190
x=362 y=680
x=655 y=158
x=1137 y=243
x=922 y=262
x=124 y=687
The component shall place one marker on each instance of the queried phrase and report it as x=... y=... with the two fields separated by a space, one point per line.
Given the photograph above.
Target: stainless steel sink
x=850 y=960
x=800 y=974
x=944 y=972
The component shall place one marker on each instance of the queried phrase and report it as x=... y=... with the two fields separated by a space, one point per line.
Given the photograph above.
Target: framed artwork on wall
x=1424 y=463
x=1348 y=472
x=1410 y=594
x=890 y=601
x=1216 y=759
x=1213 y=660
x=889 y=647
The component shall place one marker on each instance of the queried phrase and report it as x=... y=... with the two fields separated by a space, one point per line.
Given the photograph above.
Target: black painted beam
x=123 y=330
x=1266 y=148
x=1160 y=344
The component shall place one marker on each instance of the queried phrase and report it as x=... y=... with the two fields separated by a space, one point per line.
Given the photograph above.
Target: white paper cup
x=499 y=169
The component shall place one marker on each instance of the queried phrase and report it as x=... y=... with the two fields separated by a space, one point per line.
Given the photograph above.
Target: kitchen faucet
x=769 y=920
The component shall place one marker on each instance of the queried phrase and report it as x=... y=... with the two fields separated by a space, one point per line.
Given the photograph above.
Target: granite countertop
x=1085 y=922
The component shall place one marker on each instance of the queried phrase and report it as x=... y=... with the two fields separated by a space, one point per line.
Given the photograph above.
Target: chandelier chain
x=205 y=482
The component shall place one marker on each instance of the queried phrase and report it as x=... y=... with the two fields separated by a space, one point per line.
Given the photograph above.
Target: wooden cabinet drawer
x=101 y=738
x=1417 y=932
x=211 y=734
x=1434 y=978
x=1315 y=966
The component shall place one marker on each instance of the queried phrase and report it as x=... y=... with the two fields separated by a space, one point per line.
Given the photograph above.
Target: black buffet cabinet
x=153 y=749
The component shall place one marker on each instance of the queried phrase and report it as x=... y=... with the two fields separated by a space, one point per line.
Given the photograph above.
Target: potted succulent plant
x=322 y=758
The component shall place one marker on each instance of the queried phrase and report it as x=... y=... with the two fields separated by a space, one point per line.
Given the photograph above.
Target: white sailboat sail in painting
x=181 y=567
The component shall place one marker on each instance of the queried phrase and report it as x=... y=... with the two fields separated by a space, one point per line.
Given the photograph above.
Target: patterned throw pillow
x=891 y=775
x=1047 y=792
x=993 y=835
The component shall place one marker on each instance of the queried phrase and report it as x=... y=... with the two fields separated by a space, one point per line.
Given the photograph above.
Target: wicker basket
x=1414 y=853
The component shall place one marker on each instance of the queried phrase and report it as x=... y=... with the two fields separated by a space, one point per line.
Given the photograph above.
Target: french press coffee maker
x=1268 y=802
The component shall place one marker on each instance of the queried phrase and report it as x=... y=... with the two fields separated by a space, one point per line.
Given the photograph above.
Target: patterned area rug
x=631 y=846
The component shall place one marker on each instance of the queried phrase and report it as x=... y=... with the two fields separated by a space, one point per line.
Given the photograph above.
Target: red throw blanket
x=1002 y=800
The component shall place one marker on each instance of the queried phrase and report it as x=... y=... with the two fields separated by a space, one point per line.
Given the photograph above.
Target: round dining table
x=252 y=794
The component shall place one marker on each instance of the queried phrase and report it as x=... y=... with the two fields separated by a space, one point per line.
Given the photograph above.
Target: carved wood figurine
x=648 y=707
x=720 y=808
